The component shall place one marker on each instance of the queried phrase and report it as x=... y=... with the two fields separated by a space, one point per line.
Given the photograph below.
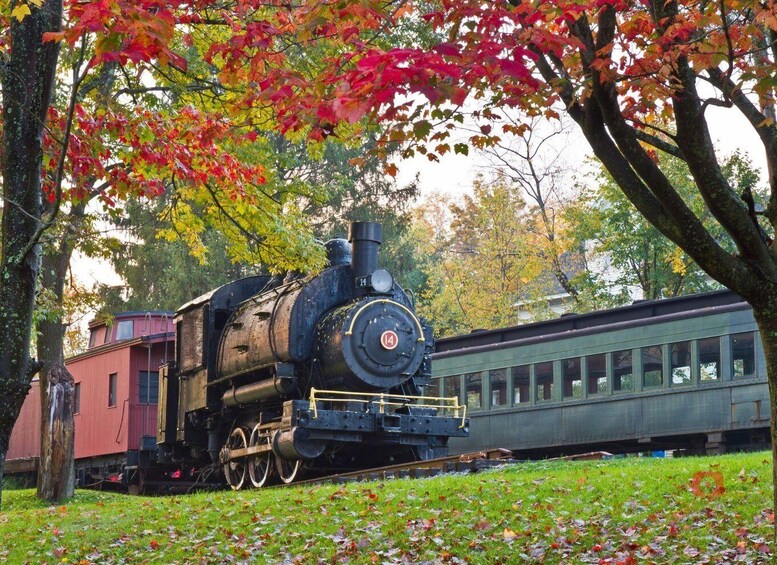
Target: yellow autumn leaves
x=22 y=8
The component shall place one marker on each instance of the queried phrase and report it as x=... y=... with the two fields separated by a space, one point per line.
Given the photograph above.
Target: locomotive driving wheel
x=288 y=470
x=259 y=465
x=235 y=470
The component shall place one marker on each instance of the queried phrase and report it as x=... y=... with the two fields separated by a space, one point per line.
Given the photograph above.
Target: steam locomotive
x=322 y=373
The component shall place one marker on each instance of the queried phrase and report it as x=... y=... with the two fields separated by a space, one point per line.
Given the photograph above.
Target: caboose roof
x=96 y=323
x=104 y=348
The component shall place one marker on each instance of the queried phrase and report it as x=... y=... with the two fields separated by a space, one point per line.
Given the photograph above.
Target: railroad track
x=467 y=462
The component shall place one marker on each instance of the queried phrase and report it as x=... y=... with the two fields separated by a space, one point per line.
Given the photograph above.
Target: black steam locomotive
x=323 y=373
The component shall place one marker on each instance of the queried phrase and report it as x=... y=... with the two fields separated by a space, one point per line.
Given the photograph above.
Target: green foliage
x=15 y=482
x=162 y=274
x=556 y=512
x=636 y=250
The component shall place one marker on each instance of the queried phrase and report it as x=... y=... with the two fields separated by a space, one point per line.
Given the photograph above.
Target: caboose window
x=125 y=330
x=597 y=374
x=709 y=359
x=76 y=398
x=148 y=387
x=573 y=380
x=521 y=384
x=622 y=376
x=544 y=374
x=652 y=366
x=680 y=354
x=112 y=378
x=743 y=355
x=498 y=381
x=93 y=338
x=474 y=384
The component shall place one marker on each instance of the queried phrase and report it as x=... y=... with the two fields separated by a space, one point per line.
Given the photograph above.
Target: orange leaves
x=707 y=484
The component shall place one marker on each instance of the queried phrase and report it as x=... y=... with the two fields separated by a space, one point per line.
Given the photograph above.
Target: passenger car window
x=709 y=359
x=743 y=355
x=622 y=372
x=451 y=387
x=474 y=390
x=680 y=356
x=597 y=374
x=521 y=384
x=573 y=380
x=498 y=380
x=433 y=388
x=544 y=374
x=652 y=366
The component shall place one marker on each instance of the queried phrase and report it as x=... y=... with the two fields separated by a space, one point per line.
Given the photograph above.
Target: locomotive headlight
x=382 y=281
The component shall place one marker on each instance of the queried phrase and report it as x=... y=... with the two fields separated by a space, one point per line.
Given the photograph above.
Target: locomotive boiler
x=323 y=373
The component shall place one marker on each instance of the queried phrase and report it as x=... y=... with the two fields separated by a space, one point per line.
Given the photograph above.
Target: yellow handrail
x=384 y=400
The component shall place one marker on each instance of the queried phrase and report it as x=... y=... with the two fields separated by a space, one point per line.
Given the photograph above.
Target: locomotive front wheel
x=288 y=470
x=259 y=465
x=235 y=470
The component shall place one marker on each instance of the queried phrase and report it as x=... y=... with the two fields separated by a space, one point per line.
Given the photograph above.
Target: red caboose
x=116 y=389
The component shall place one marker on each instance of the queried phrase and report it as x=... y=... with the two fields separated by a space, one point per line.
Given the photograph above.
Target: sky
x=454 y=174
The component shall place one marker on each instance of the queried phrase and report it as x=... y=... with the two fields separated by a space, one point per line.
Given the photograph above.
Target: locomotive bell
x=338 y=252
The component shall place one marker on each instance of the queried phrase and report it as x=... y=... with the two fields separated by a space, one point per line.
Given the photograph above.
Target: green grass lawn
x=690 y=510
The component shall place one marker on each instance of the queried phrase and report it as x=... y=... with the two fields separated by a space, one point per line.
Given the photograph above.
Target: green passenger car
x=685 y=373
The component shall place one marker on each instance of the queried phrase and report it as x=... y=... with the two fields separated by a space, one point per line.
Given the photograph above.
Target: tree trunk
x=56 y=473
x=27 y=77
x=767 y=325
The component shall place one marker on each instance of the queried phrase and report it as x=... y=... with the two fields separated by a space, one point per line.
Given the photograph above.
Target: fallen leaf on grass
x=707 y=484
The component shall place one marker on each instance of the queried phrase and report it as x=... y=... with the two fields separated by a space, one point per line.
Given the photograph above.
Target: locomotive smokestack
x=365 y=238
